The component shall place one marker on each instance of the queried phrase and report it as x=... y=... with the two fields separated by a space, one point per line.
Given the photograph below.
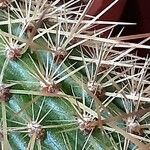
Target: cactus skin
x=54 y=91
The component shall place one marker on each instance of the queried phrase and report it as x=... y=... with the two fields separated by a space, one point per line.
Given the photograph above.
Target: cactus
x=66 y=86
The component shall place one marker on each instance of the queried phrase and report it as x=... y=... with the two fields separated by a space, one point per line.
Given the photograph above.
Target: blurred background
x=135 y=11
